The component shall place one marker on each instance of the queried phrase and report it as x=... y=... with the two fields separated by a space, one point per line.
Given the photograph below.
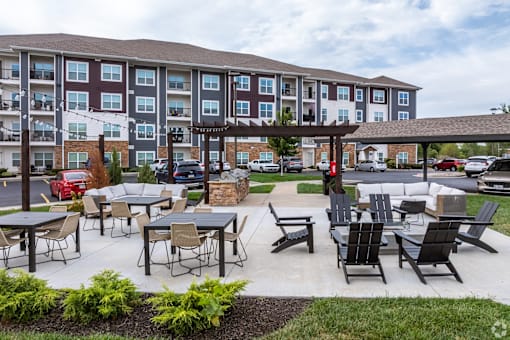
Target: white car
x=158 y=163
x=263 y=166
x=370 y=165
x=324 y=165
x=214 y=166
x=475 y=165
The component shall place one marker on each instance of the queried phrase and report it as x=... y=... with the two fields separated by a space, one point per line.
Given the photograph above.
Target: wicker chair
x=185 y=237
x=6 y=243
x=54 y=225
x=142 y=220
x=164 y=205
x=232 y=237
x=178 y=207
x=69 y=227
x=90 y=210
x=121 y=211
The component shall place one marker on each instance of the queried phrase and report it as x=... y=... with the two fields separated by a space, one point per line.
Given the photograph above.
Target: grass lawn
x=396 y=318
x=276 y=177
x=262 y=189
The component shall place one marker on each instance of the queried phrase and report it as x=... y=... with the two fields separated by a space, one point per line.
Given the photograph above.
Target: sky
x=457 y=51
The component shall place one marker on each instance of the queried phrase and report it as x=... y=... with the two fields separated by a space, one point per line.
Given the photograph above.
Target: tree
x=283 y=146
x=504 y=108
x=145 y=174
x=449 y=149
x=99 y=173
x=115 y=171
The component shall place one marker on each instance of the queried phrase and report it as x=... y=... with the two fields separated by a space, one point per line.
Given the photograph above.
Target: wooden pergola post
x=338 y=178
x=170 y=155
x=206 y=170
x=425 y=146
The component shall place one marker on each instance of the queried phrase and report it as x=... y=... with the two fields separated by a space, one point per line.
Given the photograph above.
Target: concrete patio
x=292 y=272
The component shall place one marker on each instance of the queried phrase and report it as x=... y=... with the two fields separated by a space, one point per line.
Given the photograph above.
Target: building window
x=380 y=156
x=266 y=110
x=43 y=71
x=76 y=160
x=210 y=82
x=402 y=158
x=324 y=91
x=213 y=156
x=324 y=115
x=15 y=71
x=16 y=159
x=111 y=130
x=77 y=131
x=343 y=115
x=242 y=108
x=77 y=101
x=242 y=158
x=345 y=158
x=242 y=83
x=359 y=116
x=262 y=139
x=378 y=96
x=145 y=77
x=178 y=156
x=43 y=159
x=144 y=131
x=403 y=115
x=210 y=107
x=175 y=82
x=403 y=98
x=77 y=71
x=145 y=104
x=111 y=72
x=324 y=156
x=176 y=107
x=265 y=86
x=108 y=157
x=359 y=95
x=144 y=157
x=343 y=93
x=111 y=101
x=266 y=156
x=378 y=116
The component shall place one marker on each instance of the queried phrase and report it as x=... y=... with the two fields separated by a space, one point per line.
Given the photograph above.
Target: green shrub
x=24 y=297
x=199 y=308
x=107 y=297
x=77 y=205
x=461 y=168
x=2 y=170
x=390 y=163
x=145 y=174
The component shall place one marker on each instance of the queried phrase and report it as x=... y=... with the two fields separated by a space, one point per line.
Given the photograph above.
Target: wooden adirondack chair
x=291 y=238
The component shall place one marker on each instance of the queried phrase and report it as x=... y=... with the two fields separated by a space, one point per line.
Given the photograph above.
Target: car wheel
x=469 y=174
x=318 y=169
x=285 y=169
x=356 y=168
x=453 y=168
x=435 y=168
x=372 y=169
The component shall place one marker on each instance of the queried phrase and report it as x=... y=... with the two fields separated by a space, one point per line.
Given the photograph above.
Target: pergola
x=333 y=131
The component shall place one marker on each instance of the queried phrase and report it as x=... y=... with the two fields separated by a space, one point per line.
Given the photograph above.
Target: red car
x=448 y=164
x=67 y=181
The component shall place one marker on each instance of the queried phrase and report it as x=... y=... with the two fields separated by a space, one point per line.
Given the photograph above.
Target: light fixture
x=61 y=104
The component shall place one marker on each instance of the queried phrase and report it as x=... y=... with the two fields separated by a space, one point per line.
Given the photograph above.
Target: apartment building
x=67 y=90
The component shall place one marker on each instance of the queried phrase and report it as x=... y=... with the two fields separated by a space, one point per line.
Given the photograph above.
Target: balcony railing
x=42 y=74
x=10 y=73
x=309 y=94
x=289 y=91
x=10 y=137
x=39 y=106
x=179 y=136
x=10 y=105
x=179 y=86
x=42 y=136
x=179 y=112
x=309 y=118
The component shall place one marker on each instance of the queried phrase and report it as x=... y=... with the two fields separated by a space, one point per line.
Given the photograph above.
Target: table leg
x=310 y=238
x=31 y=250
x=77 y=236
x=221 y=244
x=234 y=244
x=101 y=222
x=148 y=210
x=146 y=251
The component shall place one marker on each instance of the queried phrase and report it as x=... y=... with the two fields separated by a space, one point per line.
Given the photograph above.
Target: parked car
x=158 y=163
x=67 y=181
x=430 y=161
x=263 y=166
x=324 y=165
x=497 y=177
x=196 y=161
x=370 y=165
x=184 y=172
x=292 y=164
x=448 y=164
x=475 y=165
x=214 y=166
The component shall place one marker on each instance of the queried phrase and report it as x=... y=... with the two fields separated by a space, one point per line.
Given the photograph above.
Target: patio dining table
x=203 y=221
x=30 y=221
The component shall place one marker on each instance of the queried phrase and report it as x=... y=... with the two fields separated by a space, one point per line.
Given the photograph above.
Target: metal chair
x=6 y=243
x=185 y=237
x=164 y=205
x=121 y=211
x=69 y=227
x=232 y=237
x=178 y=207
x=54 y=225
x=90 y=210
x=142 y=220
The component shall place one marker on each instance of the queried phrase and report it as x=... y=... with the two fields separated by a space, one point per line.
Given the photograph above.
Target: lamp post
x=234 y=110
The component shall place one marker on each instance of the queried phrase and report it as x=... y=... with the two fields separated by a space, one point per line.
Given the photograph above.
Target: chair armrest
x=478 y=222
x=294 y=224
x=400 y=211
x=293 y=218
x=401 y=235
x=384 y=241
x=454 y=217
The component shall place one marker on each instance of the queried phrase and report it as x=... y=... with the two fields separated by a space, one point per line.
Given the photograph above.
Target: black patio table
x=29 y=221
x=145 y=201
x=203 y=221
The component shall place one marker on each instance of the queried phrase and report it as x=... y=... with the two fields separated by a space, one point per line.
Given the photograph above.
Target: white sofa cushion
x=434 y=189
x=413 y=189
x=457 y=192
x=153 y=189
x=445 y=191
x=393 y=189
x=176 y=189
x=118 y=190
x=366 y=189
x=134 y=188
x=91 y=192
x=106 y=192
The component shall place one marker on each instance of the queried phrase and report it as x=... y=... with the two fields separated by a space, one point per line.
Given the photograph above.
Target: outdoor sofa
x=440 y=199
x=139 y=189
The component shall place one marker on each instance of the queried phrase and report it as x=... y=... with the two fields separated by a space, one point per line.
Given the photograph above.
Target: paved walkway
x=293 y=272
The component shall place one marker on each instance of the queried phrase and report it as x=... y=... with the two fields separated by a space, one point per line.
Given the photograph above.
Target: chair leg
x=454 y=271
x=382 y=272
x=344 y=267
x=415 y=268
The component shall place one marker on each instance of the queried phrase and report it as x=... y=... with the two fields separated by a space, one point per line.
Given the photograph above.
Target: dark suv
x=448 y=164
x=292 y=164
x=185 y=172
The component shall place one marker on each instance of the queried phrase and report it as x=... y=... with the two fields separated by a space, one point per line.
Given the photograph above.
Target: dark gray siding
x=195 y=97
x=395 y=107
x=24 y=75
x=59 y=62
x=363 y=104
x=300 y=100
x=318 y=100
x=162 y=106
x=218 y=95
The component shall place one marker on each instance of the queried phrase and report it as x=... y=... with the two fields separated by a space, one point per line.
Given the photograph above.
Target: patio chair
x=232 y=237
x=90 y=210
x=71 y=223
x=6 y=243
x=292 y=238
x=178 y=207
x=381 y=211
x=164 y=205
x=154 y=237
x=340 y=211
x=185 y=237
x=435 y=248
x=121 y=211
x=360 y=248
x=54 y=225
x=477 y=224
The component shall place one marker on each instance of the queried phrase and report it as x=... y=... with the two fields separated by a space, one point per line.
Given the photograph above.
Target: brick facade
x=89 y=147
x=393 y=149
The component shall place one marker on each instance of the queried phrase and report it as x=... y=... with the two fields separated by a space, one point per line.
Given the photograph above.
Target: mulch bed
x=249 y=317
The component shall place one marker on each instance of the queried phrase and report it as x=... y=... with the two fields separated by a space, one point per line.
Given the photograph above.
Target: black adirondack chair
x=340 y=211
x=435 y=248
x=381 y=211
x=360 y=248
x=477 y=224
x=291 y=238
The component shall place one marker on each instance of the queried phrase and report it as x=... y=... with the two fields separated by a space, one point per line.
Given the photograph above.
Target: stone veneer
x=224 y=193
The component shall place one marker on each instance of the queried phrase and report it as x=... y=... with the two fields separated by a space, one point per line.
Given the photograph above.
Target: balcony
x=42 y=74
x=10 y=73
x=309 y=94
x=10 y=137
x=10 y=105
x=42 y=136
x=309 y=118
x=179 y=112
x=180 y=137
x=40 y=106
x=179 y=86
x=288 y=91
